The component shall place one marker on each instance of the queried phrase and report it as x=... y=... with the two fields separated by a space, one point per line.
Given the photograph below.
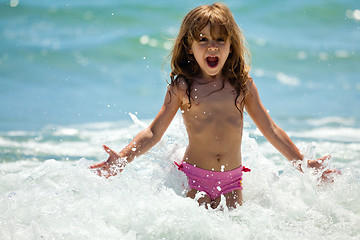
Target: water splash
x=64 y=199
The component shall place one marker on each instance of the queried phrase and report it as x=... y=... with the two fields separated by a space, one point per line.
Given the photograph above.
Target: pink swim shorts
x=213 y=183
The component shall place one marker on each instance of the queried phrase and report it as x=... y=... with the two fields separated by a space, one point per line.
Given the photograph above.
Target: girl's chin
x=211 y=74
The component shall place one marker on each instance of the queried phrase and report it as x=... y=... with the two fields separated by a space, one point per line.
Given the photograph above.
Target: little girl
x=210 y=83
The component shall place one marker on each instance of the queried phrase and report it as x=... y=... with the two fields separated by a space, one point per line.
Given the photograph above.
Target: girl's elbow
x=155 y=136
x=157 y=139
x=275 y=129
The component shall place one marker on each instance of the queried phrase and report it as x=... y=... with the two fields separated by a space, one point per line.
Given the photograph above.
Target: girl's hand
x=320 y=165
x=112 y=166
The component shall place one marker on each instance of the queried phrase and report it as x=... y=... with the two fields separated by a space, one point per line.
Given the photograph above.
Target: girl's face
x=210 y=53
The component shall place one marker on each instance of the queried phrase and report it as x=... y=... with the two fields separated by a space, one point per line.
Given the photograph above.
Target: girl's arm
x=275 y=135
x=144 y=141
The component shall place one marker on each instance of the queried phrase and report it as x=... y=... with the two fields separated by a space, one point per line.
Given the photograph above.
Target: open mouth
x=212 y=61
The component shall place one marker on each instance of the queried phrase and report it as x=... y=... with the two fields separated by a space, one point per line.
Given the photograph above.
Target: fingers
x=328 y=171
x=329 y=175
x=101 y=169
x=106 y=148
x=102 y=164
x=319 y=163
x=109 y=167
x=98 y=165
x=109 y=150
x=98 y=172
x=325 y=158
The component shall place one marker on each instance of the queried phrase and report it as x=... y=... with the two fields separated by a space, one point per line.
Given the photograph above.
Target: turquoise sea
x=78 y=74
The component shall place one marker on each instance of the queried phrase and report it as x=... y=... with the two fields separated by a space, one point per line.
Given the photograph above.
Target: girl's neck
x=209 y=79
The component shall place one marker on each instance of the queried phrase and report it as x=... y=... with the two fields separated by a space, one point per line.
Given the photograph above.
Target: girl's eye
x=221 y=40
x=203 y=39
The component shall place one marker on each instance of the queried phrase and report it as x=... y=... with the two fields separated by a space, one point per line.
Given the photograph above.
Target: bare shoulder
x=181 y=84
x=252 y=92
x=250 y=86
x=249 y=83
x=178 y=88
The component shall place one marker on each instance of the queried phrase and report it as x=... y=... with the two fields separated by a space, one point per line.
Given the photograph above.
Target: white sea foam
x=332 y=120
x=66 y=132
x=340 y=134
x=287 y=80
x=64 y=199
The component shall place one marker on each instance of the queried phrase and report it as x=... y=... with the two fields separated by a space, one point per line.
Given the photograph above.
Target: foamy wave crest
x=64 y=199
x=340 y=134
x=287 y=80
x=331 y=121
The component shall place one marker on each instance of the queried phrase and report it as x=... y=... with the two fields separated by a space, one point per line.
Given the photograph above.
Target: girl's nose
x=212 y=46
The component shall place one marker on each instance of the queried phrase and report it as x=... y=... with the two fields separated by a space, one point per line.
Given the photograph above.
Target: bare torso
x=214 y=126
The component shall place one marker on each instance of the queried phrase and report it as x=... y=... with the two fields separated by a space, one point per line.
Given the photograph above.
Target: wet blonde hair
x=222 y=23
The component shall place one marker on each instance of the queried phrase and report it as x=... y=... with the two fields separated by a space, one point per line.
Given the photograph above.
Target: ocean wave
x=147 y=201
x=340 y=134
x=334 y=120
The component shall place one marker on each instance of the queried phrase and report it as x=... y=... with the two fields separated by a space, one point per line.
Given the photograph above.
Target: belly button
x=218 y=157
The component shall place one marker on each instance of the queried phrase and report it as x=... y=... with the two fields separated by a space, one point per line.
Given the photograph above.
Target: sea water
x=79 y=74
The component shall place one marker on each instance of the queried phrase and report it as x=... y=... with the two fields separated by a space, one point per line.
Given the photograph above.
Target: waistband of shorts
x=193 y=170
